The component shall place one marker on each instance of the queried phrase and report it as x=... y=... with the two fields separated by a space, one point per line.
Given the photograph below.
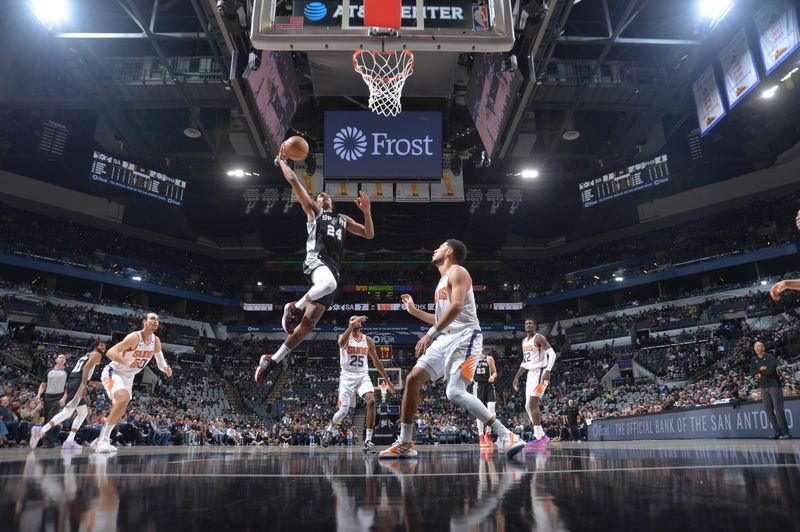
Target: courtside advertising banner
x=708 y=100
x=778 y=35
x=450 y=188
x=378 y=192
x=363 y=144
x=739 y=69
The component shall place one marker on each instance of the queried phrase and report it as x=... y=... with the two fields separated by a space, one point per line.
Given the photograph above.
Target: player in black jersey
x=483 y=388
x=324 y=249
x=76 y=385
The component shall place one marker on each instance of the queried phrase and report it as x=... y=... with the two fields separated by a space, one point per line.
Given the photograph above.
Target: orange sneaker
x=400 y=449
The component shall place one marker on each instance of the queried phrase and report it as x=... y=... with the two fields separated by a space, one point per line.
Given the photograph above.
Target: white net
x=385 y=73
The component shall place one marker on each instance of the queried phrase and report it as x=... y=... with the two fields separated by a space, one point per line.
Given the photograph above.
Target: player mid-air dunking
x=354 y=348
x=324 y=247
x=538 y=358
x=449 y=349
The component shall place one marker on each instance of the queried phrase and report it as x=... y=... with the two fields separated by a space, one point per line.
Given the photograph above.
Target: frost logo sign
x=350 y=143
x=367 y=145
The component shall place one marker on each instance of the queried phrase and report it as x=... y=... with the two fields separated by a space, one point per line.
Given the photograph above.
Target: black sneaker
x=774 y=437
x=369 y=447
x=292 y=316
x=326 y=439
x=786 y=437
x=265 y=366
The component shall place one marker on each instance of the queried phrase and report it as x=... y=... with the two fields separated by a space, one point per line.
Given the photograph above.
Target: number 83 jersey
x=326 y=234
x=353 y=357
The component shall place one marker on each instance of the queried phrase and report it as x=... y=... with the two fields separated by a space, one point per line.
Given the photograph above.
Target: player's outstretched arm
x=781 y=286
x=366 y=230
x=351 y=324
x=129 y=343
x=373 y=354
x=408 y=301
x=308 y=205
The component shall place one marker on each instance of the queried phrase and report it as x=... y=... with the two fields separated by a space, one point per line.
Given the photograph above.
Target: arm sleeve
x=551 y=358
x=162 y=364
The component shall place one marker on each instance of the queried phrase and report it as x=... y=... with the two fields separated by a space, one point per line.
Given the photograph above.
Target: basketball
x=295 y=148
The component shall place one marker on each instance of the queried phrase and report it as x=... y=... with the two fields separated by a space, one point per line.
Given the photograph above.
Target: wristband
x=434 y=333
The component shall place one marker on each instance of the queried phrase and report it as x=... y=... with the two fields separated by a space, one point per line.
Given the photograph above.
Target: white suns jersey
x=353 y=358
x=142 y=355
x=467 y=318
x=533 y=356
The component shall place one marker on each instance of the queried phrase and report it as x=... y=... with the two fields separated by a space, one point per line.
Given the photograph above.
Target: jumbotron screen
x=123 y=174
x=634 y=178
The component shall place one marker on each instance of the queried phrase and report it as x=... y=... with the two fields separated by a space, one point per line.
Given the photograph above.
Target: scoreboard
x=385 y=352
x=634 y=178
x=123 y=174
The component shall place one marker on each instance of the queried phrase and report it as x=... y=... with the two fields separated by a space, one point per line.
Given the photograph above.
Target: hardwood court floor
x=638 y=486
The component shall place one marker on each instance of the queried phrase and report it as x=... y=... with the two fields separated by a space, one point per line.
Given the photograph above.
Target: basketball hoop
x=385 y=73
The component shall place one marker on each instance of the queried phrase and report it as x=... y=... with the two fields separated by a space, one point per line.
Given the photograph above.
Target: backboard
x=427 y=25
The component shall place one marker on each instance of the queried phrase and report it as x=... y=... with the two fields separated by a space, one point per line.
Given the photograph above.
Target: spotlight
x=770 y=92
x=136 y=278
x=530 y=174
x=238 y=172
x=763 y=282
x=619 y=278
x=259 y=283
x=49 y=12
x=715 y=9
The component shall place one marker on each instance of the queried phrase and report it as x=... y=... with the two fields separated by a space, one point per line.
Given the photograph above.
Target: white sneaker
x=106 y=447
x=511 y=444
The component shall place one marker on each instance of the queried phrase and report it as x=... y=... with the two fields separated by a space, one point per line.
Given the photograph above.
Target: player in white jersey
x=128 y=358
x=449 y=349
x=354 y=347
x=538 y=358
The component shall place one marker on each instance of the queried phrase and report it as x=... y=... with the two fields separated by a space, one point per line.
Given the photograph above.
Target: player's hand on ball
x=777 y=289
x=422 y=345
x=408 y=301
x=363 y=202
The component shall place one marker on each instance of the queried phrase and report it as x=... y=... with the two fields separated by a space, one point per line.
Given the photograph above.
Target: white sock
x=280 y=353
x=105 y=434
x=369 y=435
x=480 y=427
x=406 y=429
x=72 y=434
x=538 y=432
x=500 y=429
x=301 y=303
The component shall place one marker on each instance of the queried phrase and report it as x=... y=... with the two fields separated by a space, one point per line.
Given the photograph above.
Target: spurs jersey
x=482 y=371
x=142 y=355
x=533 y=356
x=467 y=318
x=325 y=243
x=353 y=357
x=77 y=369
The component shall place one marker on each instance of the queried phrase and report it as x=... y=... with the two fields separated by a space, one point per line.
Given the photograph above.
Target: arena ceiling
x=128 y=76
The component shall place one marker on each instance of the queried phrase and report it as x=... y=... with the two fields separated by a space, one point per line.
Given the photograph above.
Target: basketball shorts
x=535 y=387
x=113 y=382
x=308 y=270
x=453 y=352
x=73 y=385
x=352 y=383
x=485 y=392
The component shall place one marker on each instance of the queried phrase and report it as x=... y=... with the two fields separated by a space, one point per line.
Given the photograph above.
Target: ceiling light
x=259 y=283
x=715 y=9
x=571 y=135
x=770 y=92
x=136 y=278
x=763 y=282
x=619 y=278
x=49 y=12
x=237 y=172
x=192 y=133
x=789 y=75
x=530 y=174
